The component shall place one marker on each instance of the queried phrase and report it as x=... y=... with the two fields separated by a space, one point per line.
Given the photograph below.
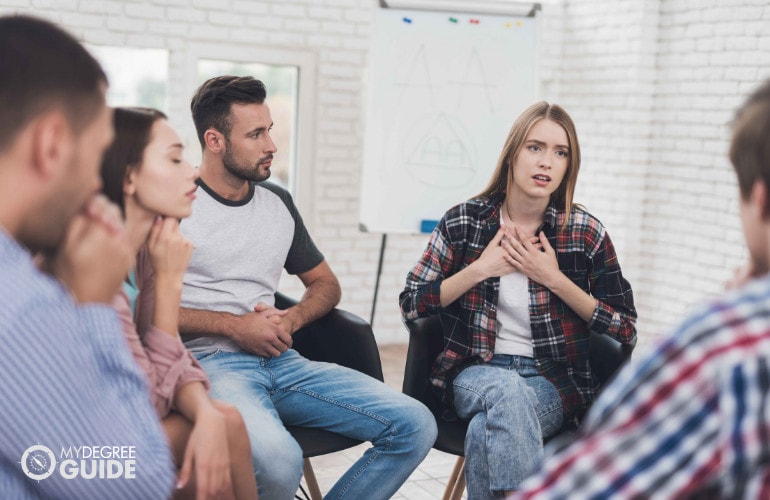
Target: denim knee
x=425 y=424
x=278 y=466
x=415 y=424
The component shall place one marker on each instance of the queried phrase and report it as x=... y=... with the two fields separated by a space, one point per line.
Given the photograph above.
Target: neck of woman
x=525 y=213
x=138 y=223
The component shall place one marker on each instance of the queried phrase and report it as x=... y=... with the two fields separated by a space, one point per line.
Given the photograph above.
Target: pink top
x=163 y=357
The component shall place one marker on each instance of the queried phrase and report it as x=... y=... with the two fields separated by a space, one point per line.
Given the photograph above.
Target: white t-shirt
x=514 y=333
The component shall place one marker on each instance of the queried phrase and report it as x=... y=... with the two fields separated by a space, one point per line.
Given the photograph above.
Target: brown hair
x=43 y=67
x=132 y=135
x=212 y=101
x=503 y=174
x=750 y=146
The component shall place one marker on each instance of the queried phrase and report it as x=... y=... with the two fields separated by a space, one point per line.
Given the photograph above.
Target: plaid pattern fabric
x=689 y=419
x=561 y=339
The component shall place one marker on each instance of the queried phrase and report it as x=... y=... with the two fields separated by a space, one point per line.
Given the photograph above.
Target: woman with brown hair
x=145 y=173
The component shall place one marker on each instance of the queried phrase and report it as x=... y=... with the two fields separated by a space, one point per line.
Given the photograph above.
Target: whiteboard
x=443 y=90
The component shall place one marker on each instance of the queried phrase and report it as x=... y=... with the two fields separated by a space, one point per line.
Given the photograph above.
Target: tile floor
x=425 y=483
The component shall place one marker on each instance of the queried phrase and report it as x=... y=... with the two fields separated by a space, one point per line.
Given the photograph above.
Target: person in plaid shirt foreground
x=520 y=277
x=691 y=418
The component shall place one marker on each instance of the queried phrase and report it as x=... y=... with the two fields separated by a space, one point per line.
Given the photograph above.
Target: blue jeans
x=292 y=390
x=511 y=410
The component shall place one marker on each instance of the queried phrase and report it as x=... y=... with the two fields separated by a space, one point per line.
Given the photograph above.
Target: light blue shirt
x=67 y=380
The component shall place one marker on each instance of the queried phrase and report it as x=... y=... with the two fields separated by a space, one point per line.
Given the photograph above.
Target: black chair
x=426 y=342
x=339 y=337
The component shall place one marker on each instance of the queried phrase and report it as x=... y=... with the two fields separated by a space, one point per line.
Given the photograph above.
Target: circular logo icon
x=38 y=462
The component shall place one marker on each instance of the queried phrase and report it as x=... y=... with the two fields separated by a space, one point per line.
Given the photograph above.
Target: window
x=137 y=76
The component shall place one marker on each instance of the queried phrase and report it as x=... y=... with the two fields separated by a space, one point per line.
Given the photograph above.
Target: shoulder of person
x=282 y=194
x=473 y=207
x=465 y=219
x=580 y=217
x=731 y=327
x=583 y=226
x=280 y=191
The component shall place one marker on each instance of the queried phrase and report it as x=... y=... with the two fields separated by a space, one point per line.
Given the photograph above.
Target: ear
x=758 y=199
x=214 y=140
x=52 y=144
x=129 y=183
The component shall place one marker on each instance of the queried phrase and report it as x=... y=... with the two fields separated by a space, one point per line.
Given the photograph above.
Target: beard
x=248 y=173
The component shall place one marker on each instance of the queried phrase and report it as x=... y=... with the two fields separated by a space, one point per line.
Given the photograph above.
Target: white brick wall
x=651 y=85
x=709 y=59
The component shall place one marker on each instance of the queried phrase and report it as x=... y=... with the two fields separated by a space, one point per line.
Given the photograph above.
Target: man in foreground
x=77 y=420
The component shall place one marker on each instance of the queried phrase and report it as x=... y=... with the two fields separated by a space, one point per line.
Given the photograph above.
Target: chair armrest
x=607 y=356
x=339 y=337
x=425 y=343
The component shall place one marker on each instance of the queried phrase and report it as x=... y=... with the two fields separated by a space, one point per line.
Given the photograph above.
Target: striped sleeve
x=69 y=381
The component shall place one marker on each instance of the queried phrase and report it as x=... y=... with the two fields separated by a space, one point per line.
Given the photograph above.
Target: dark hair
x=42 y=66
x=132 y=135
x=750 y=147
x=503 y=174
x=210 y=105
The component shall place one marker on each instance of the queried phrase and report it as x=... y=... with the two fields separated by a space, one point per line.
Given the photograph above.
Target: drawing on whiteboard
x=476 y=78
x=438 y=151
x=417 y=76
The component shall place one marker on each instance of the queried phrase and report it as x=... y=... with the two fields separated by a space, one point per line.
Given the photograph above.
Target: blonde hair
x=503 y=174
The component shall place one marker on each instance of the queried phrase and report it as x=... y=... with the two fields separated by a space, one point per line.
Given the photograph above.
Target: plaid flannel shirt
x=560 y=338
x=687 y=419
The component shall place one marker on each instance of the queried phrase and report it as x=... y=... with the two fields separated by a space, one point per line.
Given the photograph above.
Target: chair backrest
x=339 y=337
x=426 y=342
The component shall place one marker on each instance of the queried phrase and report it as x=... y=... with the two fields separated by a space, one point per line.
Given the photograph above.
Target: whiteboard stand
x=383 y=242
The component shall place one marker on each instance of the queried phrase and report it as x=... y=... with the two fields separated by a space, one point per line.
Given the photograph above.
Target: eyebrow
x=176 y=145
x=541 y=143
x=259 y=129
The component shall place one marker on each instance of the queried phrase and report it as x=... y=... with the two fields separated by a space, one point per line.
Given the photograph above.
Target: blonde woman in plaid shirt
x=520 y=276
x=690 y=419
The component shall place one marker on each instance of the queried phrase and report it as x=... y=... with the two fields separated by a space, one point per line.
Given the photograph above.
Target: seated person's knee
x=233 y=419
